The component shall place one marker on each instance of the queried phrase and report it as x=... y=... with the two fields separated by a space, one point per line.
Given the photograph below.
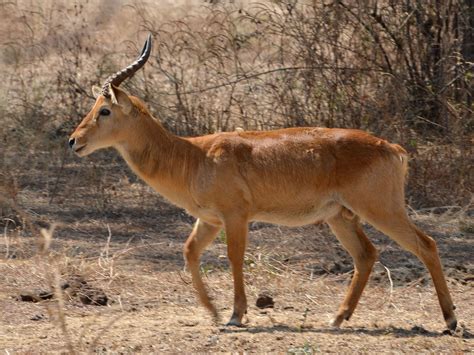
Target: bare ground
x=124 y=239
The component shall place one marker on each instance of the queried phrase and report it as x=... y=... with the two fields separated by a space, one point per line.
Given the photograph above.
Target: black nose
x=71 y=142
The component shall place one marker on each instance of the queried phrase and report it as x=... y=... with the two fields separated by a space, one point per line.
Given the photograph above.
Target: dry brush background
x=399 y=69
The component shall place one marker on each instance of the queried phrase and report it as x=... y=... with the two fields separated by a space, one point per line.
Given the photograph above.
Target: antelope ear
x=96 y=91
x=113 y=98
x=120 y=97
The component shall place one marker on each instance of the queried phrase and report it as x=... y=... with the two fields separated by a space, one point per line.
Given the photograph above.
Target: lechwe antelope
x=292 y=176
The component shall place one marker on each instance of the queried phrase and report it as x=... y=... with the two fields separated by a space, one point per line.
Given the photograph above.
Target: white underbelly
x=294 y=217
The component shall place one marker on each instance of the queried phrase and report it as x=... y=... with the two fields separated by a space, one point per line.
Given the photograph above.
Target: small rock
x=37 y=317
x=27 y=297
x=265 y=301
x=35 y=296
x=45 y=295
x=93 y=297
x=76 y=286
x=212 y=340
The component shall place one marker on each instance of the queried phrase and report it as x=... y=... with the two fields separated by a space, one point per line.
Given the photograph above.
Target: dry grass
x=157 y=312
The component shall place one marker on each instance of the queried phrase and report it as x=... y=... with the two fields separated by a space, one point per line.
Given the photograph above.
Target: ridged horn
x=117 y=78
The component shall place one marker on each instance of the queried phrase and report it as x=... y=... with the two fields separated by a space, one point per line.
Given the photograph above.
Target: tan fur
x=291 y=176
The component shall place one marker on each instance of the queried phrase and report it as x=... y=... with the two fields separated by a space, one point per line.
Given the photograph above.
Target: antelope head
x=108 y=121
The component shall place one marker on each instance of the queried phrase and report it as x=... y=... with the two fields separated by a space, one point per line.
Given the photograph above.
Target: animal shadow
x=395 y=331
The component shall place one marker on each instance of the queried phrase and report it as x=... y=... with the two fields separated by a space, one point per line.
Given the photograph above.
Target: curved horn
x=117 y=78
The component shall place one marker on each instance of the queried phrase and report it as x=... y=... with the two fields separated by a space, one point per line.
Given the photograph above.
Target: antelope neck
x=166 y=162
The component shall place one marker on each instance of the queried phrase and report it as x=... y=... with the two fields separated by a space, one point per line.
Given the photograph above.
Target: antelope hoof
x=452 y=324
x=336 y=322
x=213 y=311
x=338 y=319
x=235 y=321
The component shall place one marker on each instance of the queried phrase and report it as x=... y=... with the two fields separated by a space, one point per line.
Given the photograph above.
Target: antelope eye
x=104 y=112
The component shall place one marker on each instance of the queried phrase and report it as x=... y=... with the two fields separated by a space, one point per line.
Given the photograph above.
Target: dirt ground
x=125 y=240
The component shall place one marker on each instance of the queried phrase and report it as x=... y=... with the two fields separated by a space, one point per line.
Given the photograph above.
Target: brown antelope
x=293 y=176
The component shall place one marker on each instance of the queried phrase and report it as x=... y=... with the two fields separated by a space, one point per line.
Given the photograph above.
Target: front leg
x=236 y=229
x=202 y=235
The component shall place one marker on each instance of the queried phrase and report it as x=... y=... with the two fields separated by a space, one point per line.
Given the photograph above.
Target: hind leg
x=398 y=227
x=349 y=232
x=378 y=197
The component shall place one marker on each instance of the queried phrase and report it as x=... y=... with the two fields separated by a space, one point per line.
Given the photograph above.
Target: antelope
x=293 y=177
